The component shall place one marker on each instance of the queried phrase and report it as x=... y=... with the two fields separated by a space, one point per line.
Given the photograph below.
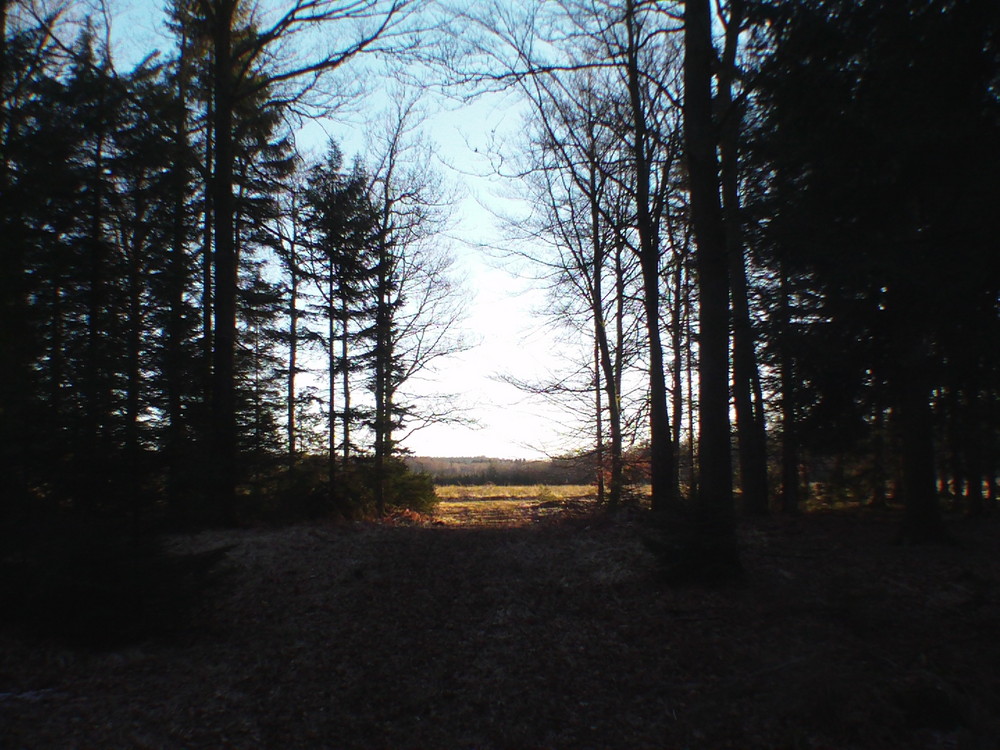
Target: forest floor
x=534 y=623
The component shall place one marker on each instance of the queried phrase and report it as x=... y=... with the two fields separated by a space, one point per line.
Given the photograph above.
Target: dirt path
x=471 y=633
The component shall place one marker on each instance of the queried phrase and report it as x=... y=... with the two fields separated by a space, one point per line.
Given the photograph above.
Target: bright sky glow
x=510 y=339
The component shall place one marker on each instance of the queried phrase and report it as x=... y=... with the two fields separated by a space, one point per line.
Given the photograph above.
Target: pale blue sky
x=510 y=338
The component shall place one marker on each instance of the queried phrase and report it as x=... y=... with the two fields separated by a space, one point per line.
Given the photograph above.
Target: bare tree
x=540 y=50
x=417 y=307
x=584 y=209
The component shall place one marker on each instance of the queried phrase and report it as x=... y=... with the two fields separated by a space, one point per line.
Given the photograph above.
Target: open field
x=512 y=506
x=516 y=505
x=453 y=492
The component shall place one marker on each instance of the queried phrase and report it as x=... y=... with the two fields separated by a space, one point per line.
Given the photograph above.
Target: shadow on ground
x=549 y=632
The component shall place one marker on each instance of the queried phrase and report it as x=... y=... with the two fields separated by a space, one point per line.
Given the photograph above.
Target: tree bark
x=331 y=426
x=16 y=384
x=715 y=527
x=663 y=465
x=878 y=498
x=345 y=387
x=224 y=432
x=383 y=363
x=208 y=255
x=750 y=425
x=789 y=388
x=602 y=356
x=677 y=345
x=599 y=418
x=692 y=407
x=177 y=276
x=922 y=520
x=95 y=471
x=293 y=337
x=973 y=501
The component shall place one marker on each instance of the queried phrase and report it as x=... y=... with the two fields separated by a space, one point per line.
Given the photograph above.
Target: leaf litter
x=497 y=624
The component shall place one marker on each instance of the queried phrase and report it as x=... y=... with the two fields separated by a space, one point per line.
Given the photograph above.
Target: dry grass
x=512 y=506
x=450 y=492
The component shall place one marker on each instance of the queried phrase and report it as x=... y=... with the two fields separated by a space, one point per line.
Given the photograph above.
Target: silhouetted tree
x=27 y=62
x=882 y=133
x=715 y=550
x=243 y=69
x=415 y=302
x=341 y=234
x=747 y=391
x=627 y=50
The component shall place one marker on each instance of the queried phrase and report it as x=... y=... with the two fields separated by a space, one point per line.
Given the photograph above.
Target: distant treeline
x=503 y=471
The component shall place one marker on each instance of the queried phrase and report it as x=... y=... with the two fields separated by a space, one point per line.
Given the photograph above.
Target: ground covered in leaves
x=538 y=624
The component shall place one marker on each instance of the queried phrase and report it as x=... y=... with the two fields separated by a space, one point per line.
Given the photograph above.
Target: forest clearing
x=500 y=623
x=274 y=272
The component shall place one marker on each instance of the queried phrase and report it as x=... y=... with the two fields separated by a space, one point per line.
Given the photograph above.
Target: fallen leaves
x=523 y=626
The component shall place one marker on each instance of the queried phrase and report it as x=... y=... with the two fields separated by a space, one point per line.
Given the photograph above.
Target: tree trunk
x=226 y=266
x=133 y=383
x=750 y=421
x=750 y=425
x=789 y=388
x=599 y=417
x=955 y=439
x=973 y=449
x=602 y=360
x=663 y=466
x=692 y=407
x=715 y=528
x=383 y=361
x=878 y=459
x=909 y=379
x=612 y=390
x=208 y=254
x=293 y=339
x=345 y=319
x=614 y=376
x=922 y=520
x=677 y=345
x=331 y=448
x=97 y=404
x=173 y=374
x=15 y=338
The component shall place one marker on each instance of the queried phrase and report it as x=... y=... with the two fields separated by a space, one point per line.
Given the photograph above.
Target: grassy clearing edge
x=453 y=492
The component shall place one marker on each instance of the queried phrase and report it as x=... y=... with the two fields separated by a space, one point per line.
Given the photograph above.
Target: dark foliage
x=875 y=135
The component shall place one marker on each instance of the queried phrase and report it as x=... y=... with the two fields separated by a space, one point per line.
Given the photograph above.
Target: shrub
x=412 y=490
x=545 y=495
x=403 y=488
x=306 y=494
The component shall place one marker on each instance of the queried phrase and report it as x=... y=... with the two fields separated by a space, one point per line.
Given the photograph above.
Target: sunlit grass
x=518 y=505
x=495 y=505
x=456 y=492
